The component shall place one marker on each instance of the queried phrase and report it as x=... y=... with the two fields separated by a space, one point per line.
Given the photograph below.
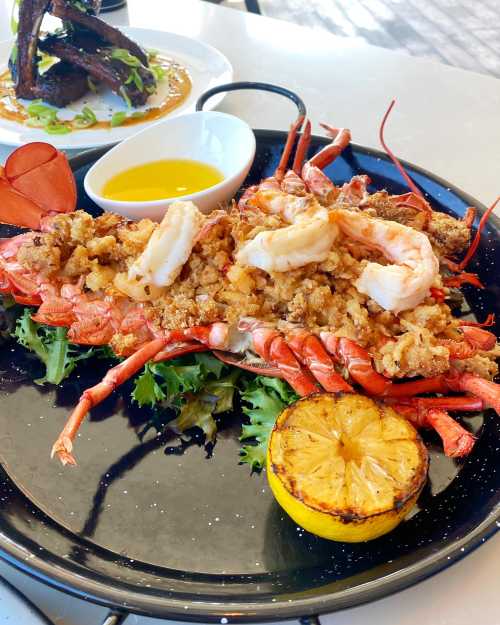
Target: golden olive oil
x=161 y=179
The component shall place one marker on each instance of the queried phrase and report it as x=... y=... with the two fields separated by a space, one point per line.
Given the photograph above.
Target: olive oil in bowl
x=122 y=182
x=162 y=179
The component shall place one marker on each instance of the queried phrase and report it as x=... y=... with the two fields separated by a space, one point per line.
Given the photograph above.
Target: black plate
x=189 y=537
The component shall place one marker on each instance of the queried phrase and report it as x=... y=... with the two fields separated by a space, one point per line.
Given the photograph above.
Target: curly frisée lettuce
x=265 y=398
x=186 y=393
x=187 y=396
x=199 y=410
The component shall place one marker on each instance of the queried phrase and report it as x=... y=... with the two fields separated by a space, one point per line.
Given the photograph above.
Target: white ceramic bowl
x=223 y=141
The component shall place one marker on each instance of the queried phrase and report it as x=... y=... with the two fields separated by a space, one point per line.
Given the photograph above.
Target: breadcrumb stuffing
x=97 y=253
x=42 y=256
x=78 y=263
x=449 y=236
x=482 y=365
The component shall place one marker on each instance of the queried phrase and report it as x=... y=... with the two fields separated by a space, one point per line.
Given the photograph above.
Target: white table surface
x=446 y=120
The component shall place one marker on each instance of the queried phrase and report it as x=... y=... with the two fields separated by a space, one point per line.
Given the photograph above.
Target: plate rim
x=82 y=585
x=62 y=143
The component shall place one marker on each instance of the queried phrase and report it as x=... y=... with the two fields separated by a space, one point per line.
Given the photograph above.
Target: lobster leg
x=179 y=349
x=273 y=183
x=463 y=278
x=270 y=345
x=359 y=364
x=475 y=339
x=341 y=139
x=287 y=151
x=487 y=391
x=213 y=336
x=357 y=361
x=457 y=441
x=318 y=182
x=311 y=353
x=487 y=323
x=464 y=403
x=302 y=147
x=93 y=396
x=431 y=412
x=292 y=182
x=260 y=369
x=435 y=384
x=479 y=338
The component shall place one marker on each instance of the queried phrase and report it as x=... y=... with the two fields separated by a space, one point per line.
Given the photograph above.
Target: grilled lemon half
x=345 y=467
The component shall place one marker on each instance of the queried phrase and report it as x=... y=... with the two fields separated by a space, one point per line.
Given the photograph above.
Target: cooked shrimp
x=284 y=204
x=400 y=286
x=306 y=241
x=396 y=287
x=169 y=246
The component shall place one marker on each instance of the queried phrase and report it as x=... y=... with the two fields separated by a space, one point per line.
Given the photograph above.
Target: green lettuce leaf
x=265 y=398
x=199 y=410
x=190 y=391
x=196 y=413
x=180 y=379
x=209 y=364
x=170 y=380
x=186 y=393
x=147 y=391
x=51 y=347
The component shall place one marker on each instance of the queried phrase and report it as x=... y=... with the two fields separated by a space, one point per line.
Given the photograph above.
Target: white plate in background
x=206 y=65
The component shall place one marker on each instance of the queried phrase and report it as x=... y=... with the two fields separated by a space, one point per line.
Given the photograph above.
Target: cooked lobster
x=115 y=301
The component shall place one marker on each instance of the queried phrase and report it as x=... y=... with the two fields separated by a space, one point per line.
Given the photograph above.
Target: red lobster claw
x=28 y=157
x=37 y=180
x=17 y=209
